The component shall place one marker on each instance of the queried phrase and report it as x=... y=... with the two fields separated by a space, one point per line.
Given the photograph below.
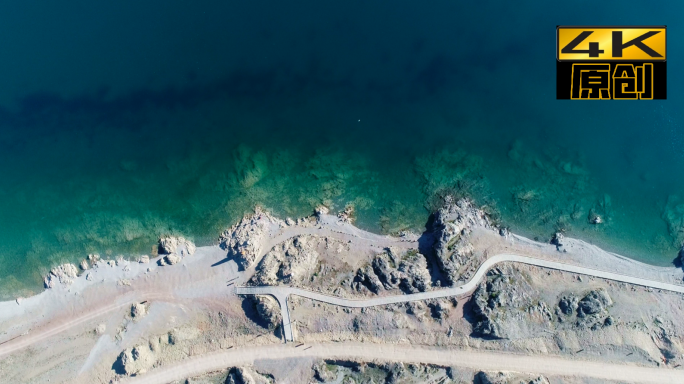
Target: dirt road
x=545 y=365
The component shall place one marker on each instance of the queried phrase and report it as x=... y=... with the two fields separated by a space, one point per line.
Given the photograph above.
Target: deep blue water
x=121 y=121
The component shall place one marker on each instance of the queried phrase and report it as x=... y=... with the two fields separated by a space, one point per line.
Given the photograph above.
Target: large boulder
x=595 y=302
x=568 y=304
x=508 y=378
x=64 y=274
x=137 y=360
x=492 y=378
x=451 y=227
x=367 y=279
x=506 y=306
x=408 y=272
x=266 y=308
x=247 y=375
x=178 y=245
x=291 y=262
x=138 y=310
x=245 y=240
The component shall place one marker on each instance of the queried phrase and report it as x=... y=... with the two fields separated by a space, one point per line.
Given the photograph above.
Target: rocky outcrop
x=508 y=378
x=268 y=309
x=175 y=248
x=244 y=240
x=568 y=304
x=589 y=312
x=492 y=378
x=170 y=259
x=347 y=215
x=64 y=274
x=408 y=272
x=439 y=308
x=594 y=302
x=178 y=245
x=451 y=228
x=322 y=373
x=263 y=310
x=346 y=371
x=247 y=375
x=396 y=373
x=137 y=360
x=290 y=262
x=138 y=310
x=366 y=278
x=504 y=307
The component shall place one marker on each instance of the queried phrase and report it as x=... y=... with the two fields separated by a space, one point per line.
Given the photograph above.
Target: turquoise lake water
x=121 y=122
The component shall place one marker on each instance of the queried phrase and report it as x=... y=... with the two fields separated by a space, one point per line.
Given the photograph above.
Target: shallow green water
x=177 y=120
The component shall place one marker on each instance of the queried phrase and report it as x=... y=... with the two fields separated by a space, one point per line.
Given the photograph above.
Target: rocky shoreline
x=165 y=306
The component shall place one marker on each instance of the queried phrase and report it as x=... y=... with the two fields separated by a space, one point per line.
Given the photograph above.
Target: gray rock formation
x=366 y=278
x=290 y=262
x=322 y=373
x=345 y=371
x=137 y=360
x=568 y=304
x=178 y=245
x=244 y=240
x=170 y=259
x=396 y=372
x=589 y=312
x=267 y=309
x=506 y=306
x=138 y=310
x=408 y=272
x=247 y=375
x=451 y=228
x=492 y=378
x=439 y=308
x=508 y=378
x=594 y=302
x=64 y=274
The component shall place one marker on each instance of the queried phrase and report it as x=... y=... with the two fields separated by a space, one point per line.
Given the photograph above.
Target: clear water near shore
x=354 y=105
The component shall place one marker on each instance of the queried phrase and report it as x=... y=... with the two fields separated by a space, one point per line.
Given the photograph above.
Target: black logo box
x=564 y=77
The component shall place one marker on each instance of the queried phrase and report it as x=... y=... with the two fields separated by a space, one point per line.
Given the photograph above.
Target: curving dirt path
x=282 y=293
x=477 y=360
x=25 y=340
